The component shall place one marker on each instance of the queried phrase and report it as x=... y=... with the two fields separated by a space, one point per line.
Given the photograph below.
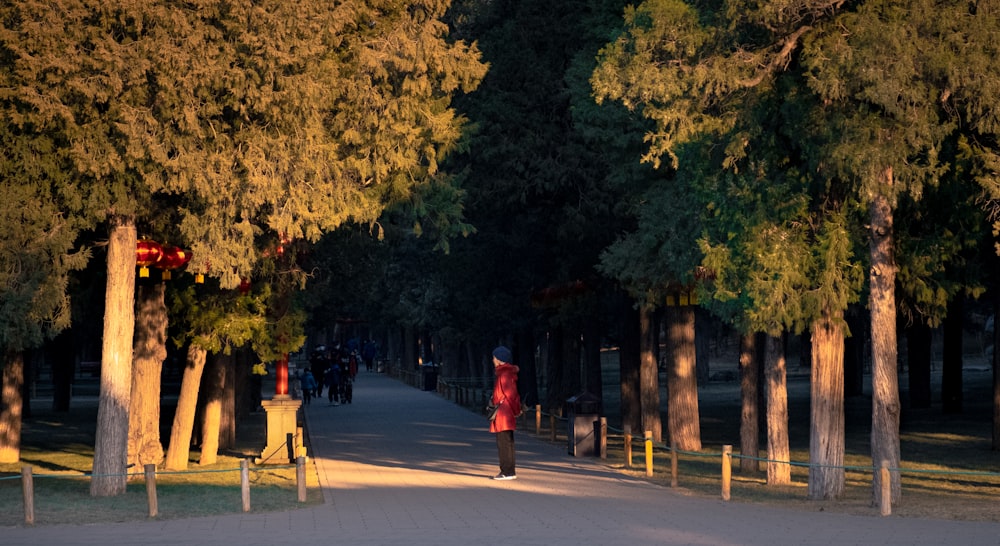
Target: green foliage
x=37 y=242
x=788 y=115
x=222 y=127
x=273 y=117
x=218 y=320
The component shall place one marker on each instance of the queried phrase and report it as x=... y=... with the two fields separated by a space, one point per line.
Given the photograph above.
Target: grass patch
x=59 y=448
x=949 y=468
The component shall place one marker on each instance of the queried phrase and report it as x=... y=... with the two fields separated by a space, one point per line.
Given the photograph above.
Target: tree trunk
x=235 y=364
x=885 y=382
x=826 y=427
x=778 y=473
x=179 y=448
x=649 y=376
x=215 y=386
x=527 y=376
x=111 y=440
x=918 y=360
x=951 y=350
x=593 y=377
x=682 y=379
x=10 y=407
x=150 y=350
x=749 y=432
x=572 y=368
x=628 y=357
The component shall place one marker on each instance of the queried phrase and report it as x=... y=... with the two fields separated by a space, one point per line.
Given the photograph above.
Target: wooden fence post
x=552 y=426
x=885 y=502
x=673 y=463
x=28 y=490
x=300 y=477
x=628 y=446
x=538 y=419
x=602 y=437
x=245 y=483
x=727 y=470
x=649 y=452
x=154 y=505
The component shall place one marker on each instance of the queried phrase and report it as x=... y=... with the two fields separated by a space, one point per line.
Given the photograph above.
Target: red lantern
x=147 y=253
x=244 y=286
x=173 y=258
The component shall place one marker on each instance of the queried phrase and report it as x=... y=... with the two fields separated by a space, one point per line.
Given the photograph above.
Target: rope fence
x=477 y=397
x=149 y=473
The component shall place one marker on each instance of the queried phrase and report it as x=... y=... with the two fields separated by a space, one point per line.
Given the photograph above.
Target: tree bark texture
x=179 y=448
x=885 y=381
x=951 y=351
x=682 y=379
x=826 y=427
x=10 y=407
x=649 y=376
x=150 y=350
x=235 y=364
x=629 y=369
x=918 y=363
x=779 y=472
x=749 y=431
x=215 y=386
x=111 y=441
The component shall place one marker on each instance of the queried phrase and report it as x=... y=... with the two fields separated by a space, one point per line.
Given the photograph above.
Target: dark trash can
x=581 y=412
x=430 y=377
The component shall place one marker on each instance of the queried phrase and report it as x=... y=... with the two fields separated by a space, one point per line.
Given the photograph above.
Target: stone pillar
x=282 y=412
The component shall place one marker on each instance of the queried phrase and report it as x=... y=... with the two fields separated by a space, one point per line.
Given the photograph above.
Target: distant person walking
x=332 y=380
x=368 y=351
x=308 y=386
x=508 y=403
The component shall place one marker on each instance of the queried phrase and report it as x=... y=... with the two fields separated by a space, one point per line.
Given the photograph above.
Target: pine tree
x=874 y=132
x=257 y=119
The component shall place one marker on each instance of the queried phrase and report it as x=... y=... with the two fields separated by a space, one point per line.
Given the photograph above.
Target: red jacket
x=506 y=396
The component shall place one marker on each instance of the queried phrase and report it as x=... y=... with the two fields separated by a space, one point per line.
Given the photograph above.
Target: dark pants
x=505 y=448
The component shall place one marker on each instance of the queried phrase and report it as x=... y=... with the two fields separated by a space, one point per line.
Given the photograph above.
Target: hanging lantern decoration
x=199 y=278
x=173 y=258
x=147 y=253
x=244 y=286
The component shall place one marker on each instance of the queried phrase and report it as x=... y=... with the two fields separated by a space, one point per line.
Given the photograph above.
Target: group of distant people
x=335 y=370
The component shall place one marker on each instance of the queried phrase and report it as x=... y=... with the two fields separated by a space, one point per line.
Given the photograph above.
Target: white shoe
x=502 y=476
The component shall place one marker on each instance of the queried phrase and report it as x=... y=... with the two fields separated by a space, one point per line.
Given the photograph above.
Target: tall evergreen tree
x=702 y=72
x=267 y=118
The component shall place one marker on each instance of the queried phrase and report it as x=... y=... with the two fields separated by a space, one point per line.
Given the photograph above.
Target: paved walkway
x=403 y=466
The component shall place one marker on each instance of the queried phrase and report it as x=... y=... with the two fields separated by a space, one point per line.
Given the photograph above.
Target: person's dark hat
x=503 y=354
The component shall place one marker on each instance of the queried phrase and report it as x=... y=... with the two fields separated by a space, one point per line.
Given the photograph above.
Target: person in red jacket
x=508 y=402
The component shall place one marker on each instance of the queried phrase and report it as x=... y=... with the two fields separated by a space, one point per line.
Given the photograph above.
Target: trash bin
x=430 y=377
x=581 y=412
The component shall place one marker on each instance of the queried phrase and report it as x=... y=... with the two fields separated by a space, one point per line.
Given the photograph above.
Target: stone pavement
x=404 y=466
